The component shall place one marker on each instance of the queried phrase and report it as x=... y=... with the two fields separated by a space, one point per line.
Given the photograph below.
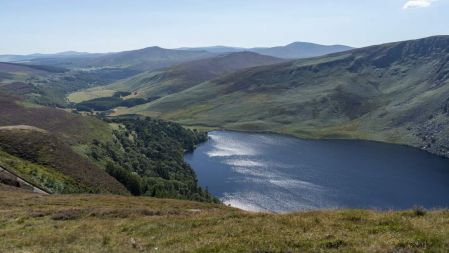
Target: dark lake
x=269 y=172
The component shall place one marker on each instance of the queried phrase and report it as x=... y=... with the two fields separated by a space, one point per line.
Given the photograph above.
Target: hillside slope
x=75 y=129
x=396 y=92
x=52 y=164
x=105 y=223
x=179 y=77
x=48 y=85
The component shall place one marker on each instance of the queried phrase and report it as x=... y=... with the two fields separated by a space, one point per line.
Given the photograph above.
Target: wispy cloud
x=417 y=3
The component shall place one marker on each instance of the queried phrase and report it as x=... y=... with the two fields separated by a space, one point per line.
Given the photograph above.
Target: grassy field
x=107 y=223
x=88 y=94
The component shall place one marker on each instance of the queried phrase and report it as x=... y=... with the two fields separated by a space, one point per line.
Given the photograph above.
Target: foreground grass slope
x=396 y=92
x=106 y=223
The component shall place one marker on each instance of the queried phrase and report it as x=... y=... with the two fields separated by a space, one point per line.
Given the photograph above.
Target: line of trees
x=146 y=156
x=108 y=103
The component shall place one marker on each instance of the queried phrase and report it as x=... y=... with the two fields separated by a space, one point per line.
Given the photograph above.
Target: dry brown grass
x=108 y=223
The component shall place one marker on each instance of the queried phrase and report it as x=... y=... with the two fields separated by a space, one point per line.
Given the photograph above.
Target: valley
x=394 y=93
x=230 y=126
x=135 y=151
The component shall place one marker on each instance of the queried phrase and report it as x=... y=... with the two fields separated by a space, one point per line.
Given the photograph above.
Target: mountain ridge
x=294 y=50
x=393 y=92
x=40 y=58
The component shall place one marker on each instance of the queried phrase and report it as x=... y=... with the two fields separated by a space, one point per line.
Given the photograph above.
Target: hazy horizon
x=50 y=26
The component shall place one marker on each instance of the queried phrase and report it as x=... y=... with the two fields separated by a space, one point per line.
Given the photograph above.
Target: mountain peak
x=297 y=50
x=152 y=48
x=303 y=44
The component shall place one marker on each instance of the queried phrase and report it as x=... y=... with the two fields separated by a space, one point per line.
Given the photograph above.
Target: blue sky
x=29 y=26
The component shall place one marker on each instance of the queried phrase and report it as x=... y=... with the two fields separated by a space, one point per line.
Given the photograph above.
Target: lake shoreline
x=309 y=137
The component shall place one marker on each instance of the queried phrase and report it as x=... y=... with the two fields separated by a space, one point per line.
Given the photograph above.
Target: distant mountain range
x=25 y=58
x=300 y=50
x=154 y=57
x=216 y=49
x=296 y=50
x=142 y=59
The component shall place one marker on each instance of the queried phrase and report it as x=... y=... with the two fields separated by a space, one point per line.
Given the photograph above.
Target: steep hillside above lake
x=36 y=142
x=64 y=152
x=395 y=92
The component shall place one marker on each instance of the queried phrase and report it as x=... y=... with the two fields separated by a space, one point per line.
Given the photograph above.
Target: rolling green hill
x=179 y=77
x=49 y=85
x=395 y=92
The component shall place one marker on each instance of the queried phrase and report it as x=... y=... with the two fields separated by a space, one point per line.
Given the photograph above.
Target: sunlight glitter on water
x=276 y=173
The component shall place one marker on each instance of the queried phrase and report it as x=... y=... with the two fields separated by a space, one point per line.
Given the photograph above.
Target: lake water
x=269 y=172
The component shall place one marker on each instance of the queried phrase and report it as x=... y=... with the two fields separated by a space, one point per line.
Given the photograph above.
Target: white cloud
x=417 y=3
